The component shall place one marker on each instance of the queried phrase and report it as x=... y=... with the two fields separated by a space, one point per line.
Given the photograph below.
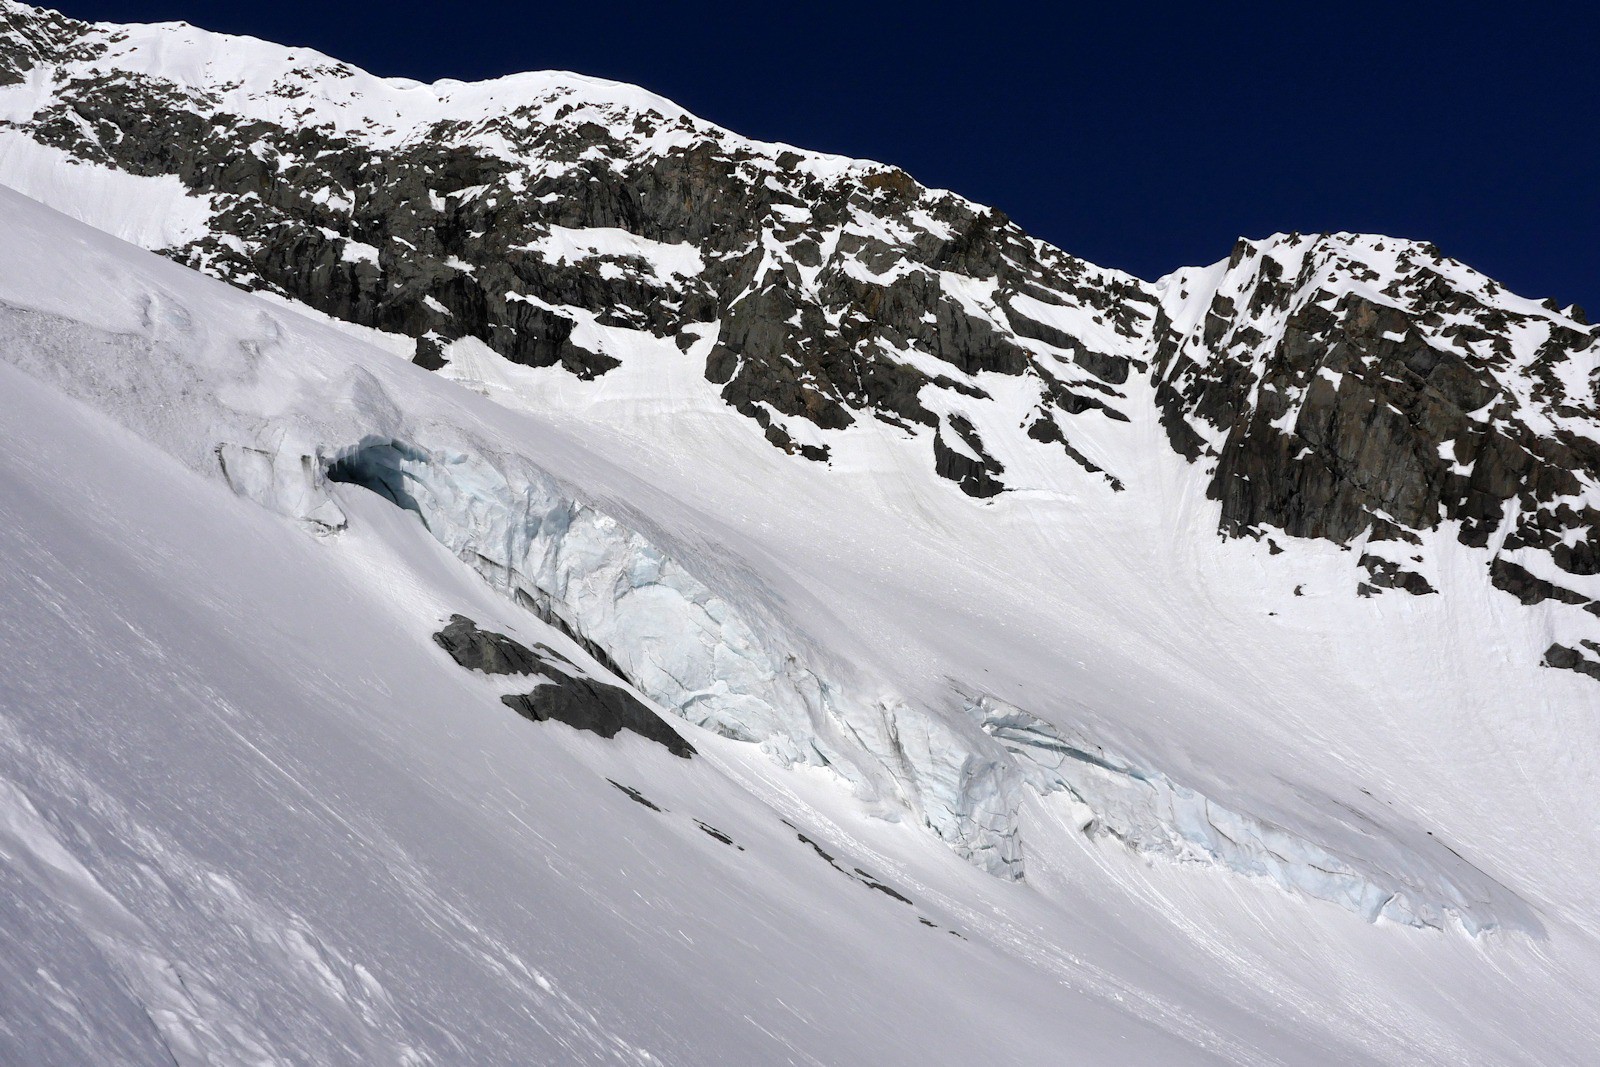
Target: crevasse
x=685 y=647
x=1153 y=815
x=694 y=653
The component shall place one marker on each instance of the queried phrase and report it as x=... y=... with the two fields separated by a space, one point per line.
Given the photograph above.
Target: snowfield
x=249 y=812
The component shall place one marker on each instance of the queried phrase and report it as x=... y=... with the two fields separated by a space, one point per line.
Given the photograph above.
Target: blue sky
x=1138 y=136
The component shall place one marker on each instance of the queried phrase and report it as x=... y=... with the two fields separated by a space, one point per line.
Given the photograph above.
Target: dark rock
x=429 y=354
x=600 y=708
x=712 y=831
x=977 y=477
x=871 y=883
x=580 y=702
x=1528 y=588
x=489 y=652
x=1385 y=574
x=1570 y=659
x=857 y=874
x=538 y=337
x=636 y=796
x=1046 y=429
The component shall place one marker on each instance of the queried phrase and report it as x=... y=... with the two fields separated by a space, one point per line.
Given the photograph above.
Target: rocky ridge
x=1353 y=388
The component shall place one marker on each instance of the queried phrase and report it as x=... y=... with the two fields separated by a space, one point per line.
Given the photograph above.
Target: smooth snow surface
x=151 y=212
x=250 y=813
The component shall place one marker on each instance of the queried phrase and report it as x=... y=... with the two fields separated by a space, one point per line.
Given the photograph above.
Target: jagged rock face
x=544 y=219
x=29 y=37
x=1342 y=386
x=1352 y=388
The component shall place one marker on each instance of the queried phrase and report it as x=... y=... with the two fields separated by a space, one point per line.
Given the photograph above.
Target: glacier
x=691 y=650
x=1053 y=772
x=197 y=427
x=643 y=614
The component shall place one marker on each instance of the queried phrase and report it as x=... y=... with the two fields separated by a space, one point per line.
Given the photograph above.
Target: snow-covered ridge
x=566 y=221
x=287 y=85
x=929 y=314
x=832 y=290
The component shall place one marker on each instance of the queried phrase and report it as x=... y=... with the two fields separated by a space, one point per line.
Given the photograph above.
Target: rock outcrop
x=1345 y=382
x=564 y=694
x=1354 y=387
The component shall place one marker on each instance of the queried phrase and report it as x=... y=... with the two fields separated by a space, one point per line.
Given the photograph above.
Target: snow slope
x=252 y=813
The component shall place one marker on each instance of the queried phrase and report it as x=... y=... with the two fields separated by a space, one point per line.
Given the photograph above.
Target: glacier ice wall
x=697 y=654
x=1153 y=815
x=690 y=650
x=281 y=481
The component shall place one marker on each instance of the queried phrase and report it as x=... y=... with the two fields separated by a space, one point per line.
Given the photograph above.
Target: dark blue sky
x=1133 y=136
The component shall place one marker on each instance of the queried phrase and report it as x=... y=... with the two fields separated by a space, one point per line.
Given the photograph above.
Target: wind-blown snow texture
x=1065 y=674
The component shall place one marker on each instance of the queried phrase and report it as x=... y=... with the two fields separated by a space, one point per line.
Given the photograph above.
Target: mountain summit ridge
x=559 y=220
